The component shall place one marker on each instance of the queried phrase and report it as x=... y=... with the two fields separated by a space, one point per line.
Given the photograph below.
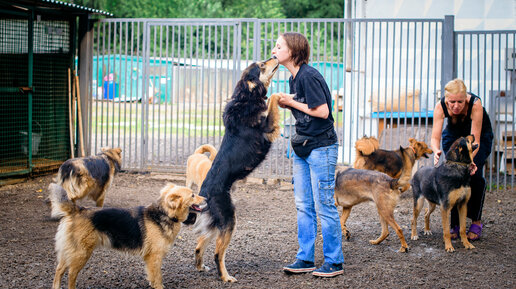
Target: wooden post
x=70 y=119
x=79 y=116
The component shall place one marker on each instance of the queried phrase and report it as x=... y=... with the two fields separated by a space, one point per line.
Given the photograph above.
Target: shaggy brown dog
x=354 y=186
x=198 y=165
x=370 y=157
x=89 y=176
x=447 y=185
x=252 y=124
x=145 y=231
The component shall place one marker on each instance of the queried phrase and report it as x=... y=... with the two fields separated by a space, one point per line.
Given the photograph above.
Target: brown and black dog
x=145 y=231
x=447 y=185
x=354 y=186
x=89 y=176
x=252 y=124
x=198 y=165
x=370 y=157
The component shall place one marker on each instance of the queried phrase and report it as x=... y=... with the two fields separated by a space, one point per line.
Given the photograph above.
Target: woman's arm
x=321 y=111
x=435 y=141
x=477 y=115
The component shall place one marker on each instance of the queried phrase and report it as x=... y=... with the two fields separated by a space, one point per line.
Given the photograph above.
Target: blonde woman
x=465 y=115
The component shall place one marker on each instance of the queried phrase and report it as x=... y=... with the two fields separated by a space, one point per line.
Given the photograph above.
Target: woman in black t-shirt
x=315 y=157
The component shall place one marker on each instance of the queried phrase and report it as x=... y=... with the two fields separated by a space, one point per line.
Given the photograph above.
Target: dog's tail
x=207 y=148
x=61 y=205
x=366 y=145
x=403 y=182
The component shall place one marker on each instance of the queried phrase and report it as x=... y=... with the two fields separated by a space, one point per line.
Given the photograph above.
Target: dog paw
x=403 y=249
x=203 y=268
x=469 y=246
x=427 y=233
x=347 y=235
x=374 y=242
x=229 y=278
x=449 y=249
x=415 y=237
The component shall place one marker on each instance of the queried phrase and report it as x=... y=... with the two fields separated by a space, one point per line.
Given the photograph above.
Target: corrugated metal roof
x=57 y=5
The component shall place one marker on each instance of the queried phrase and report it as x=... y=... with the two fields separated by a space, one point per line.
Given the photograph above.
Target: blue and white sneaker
x=329 y=270
x=299 y=266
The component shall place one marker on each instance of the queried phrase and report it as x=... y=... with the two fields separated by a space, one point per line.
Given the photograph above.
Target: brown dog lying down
x=145 y=231
x=354 y=186
x=370 y=157
x=198 y=165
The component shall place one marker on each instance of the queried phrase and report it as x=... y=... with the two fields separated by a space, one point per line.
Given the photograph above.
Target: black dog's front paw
x=192 y=217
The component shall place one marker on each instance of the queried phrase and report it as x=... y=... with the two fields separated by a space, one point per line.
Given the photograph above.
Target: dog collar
x=413 y=150
x=458 y=163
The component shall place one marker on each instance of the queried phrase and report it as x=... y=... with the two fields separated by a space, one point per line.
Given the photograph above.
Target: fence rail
x=159 y=85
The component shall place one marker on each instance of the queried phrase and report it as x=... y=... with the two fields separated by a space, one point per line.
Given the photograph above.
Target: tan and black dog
x=252 y=124
x=447 y=185
x=89 y=176
x=198 y=165
x=354 y=186
x=145 y=231
x=370 y=157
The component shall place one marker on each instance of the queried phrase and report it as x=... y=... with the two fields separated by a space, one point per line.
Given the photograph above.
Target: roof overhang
x=50 y=6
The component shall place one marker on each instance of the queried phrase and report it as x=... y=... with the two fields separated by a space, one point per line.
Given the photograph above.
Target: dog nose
x=274 y=56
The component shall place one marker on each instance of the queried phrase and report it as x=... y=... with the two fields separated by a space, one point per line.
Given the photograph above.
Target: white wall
x=469 y=14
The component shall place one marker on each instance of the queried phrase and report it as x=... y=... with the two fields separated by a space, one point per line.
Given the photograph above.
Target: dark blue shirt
x=310 y=88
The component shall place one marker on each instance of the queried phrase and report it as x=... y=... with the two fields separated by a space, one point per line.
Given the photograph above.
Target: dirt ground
x=265 y=241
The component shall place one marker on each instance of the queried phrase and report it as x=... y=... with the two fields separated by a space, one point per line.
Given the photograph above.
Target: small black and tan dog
x=447 y=185
x=145 y=231
x=354 y=186
x=370 y=157
x=252 y=124
x=89 y=176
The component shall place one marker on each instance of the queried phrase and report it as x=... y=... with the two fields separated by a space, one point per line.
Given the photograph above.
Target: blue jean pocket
x=326 y=192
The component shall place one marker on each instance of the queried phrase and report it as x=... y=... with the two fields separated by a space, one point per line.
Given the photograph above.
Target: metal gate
x=486 y=60
x=159 y=85
x=163 y=85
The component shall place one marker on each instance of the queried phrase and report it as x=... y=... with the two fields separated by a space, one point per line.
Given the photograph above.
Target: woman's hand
x=472 y=168
x=285 y=99
x=437 y=156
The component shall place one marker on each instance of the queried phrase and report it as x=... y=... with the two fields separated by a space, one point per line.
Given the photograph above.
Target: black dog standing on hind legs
x=447 y=185
x=252 y=125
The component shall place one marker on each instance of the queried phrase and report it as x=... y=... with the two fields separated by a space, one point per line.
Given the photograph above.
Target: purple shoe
x=477 y=230
x=455 y=231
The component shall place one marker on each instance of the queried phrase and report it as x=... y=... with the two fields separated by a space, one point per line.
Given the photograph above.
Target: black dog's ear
x=253 y=73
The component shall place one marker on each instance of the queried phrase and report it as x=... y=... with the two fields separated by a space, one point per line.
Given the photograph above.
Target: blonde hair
x=455 y=86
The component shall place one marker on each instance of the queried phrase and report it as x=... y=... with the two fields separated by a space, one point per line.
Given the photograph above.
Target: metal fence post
x=145 y=96
x=256 y=40
x=448 y=59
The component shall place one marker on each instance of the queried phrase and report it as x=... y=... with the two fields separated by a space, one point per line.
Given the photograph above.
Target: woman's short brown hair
x=299 y=47
x=455 y=86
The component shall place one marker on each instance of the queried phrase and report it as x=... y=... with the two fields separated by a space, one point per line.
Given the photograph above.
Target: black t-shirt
x=310 y=88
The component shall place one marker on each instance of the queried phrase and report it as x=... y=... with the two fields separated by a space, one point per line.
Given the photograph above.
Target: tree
x=218 y=8
x=312 y=9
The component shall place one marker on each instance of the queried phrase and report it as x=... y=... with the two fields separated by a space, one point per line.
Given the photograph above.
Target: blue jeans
x=314 y=187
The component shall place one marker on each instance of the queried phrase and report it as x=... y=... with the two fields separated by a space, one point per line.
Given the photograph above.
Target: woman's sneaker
x=329 y=270
x=299 y=266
